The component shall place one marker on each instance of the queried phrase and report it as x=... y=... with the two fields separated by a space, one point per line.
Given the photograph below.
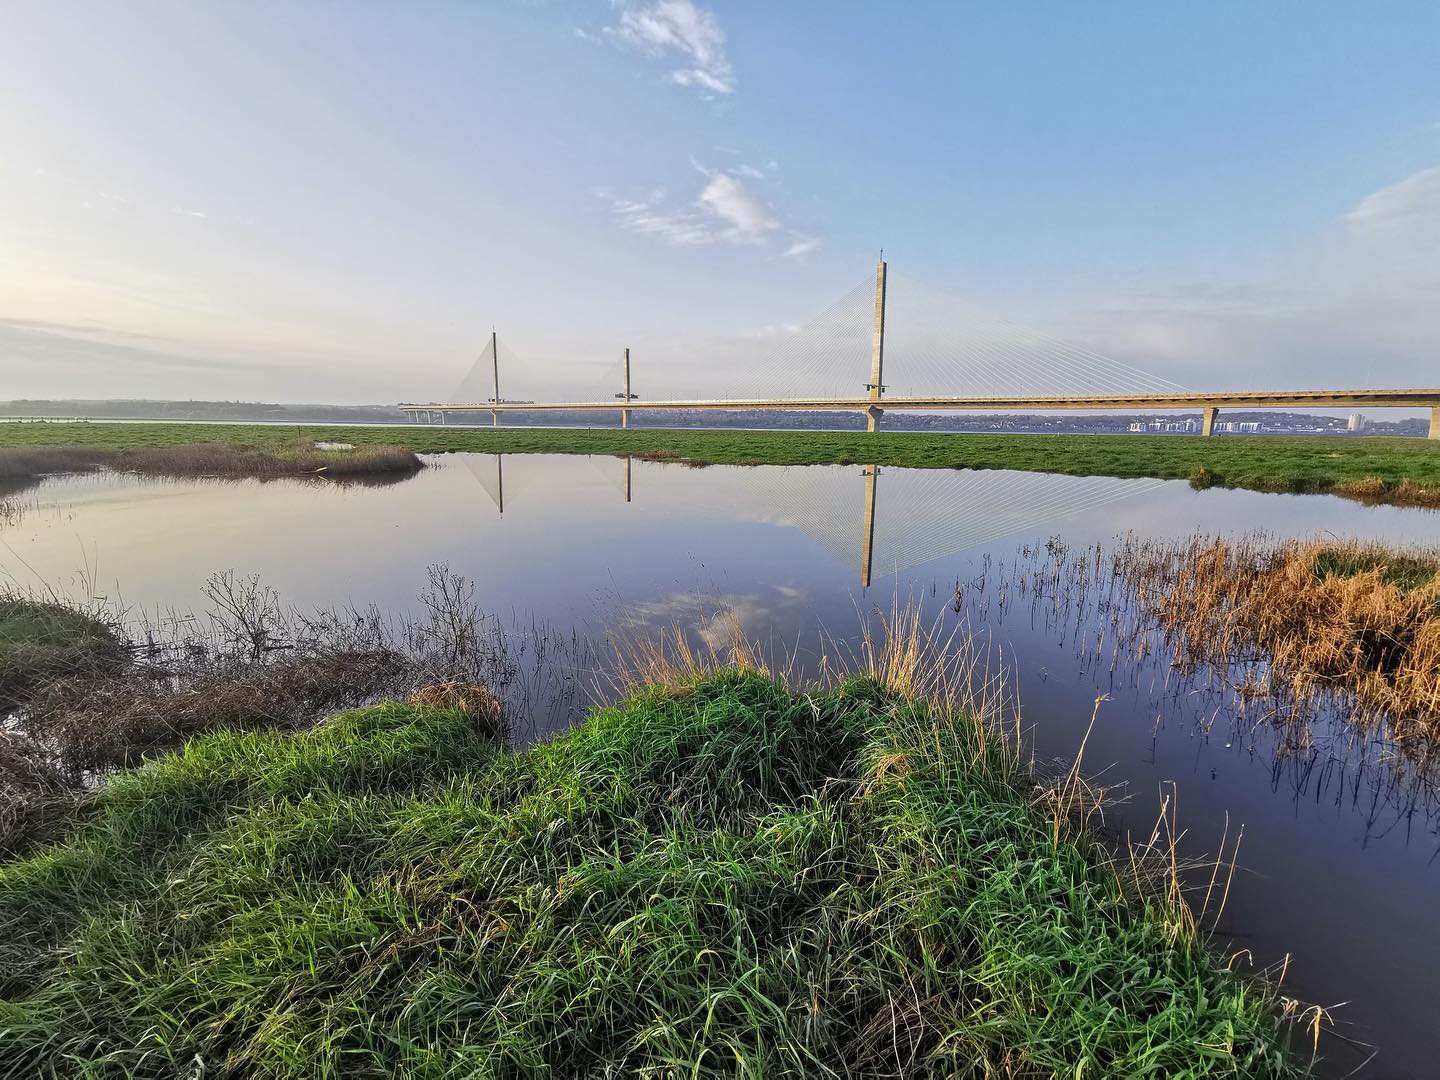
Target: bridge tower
x=625 y=419
x=876 y=386
x=495 y=363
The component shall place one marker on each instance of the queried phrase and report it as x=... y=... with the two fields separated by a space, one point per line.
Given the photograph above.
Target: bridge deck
x=1276 y=399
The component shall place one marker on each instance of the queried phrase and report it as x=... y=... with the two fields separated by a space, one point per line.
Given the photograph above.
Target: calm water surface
x=1339 y=868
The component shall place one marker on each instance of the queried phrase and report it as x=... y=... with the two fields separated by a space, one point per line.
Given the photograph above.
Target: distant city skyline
x=328 y=202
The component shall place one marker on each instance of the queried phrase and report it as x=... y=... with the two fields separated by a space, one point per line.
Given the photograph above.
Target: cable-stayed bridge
x=887 y=345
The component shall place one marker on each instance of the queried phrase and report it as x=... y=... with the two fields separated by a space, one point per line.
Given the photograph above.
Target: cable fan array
x=936 y=345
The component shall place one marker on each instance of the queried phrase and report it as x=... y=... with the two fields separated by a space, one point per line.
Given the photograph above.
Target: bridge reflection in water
x=885 y=521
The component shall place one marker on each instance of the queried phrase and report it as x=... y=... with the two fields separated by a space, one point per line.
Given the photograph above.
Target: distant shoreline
x=1400 y=471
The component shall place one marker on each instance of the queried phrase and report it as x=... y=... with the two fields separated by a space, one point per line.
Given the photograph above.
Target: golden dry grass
x=1325 y=616
x=478 y=703
x=1373 y=491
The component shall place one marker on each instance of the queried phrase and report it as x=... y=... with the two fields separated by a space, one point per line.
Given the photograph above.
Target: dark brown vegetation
x=1324 y=618
x=85 y=699
x=27 y=462
x=217 y=459
x=228 y=459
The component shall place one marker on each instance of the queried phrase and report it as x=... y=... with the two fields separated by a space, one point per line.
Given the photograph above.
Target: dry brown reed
x=1323 y=617
x=477 y=703
x=1373 y=490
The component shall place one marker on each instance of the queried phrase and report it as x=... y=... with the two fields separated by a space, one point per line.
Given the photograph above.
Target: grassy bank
x=1379 y=470
x=717 y=877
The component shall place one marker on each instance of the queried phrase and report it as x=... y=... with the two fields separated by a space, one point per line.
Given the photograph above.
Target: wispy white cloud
x=1359 y=310
x=678 y=27
x=1416 y=196
x=726 y=211
x=801 y=245
x=745 y=219
x=683 y=226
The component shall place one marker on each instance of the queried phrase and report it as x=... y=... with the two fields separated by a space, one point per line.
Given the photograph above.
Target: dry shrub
x=96 y=726
x=35 y=795
x=1324 y=617
x=477 y=703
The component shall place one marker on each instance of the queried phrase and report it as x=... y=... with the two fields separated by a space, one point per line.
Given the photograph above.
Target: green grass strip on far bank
x=714 y=878
x=1374 y=469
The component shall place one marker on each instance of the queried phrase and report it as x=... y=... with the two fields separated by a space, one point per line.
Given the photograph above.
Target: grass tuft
x=716 y=878
x=41 y=640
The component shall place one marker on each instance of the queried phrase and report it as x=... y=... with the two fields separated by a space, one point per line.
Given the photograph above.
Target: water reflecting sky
x=1337 y=869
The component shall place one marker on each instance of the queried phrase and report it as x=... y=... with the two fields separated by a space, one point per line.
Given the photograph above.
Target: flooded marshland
x=1337 y=866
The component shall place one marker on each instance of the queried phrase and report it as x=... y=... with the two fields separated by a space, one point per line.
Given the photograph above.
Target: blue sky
x=310 y=201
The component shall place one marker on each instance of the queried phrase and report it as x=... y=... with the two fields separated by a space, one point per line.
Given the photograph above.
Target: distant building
x=1137 y=426
x=1171 y=426
x=1357 y=422
x=1239 y=427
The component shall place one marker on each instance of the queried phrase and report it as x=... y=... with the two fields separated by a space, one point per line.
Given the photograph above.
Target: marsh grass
x=227 y=459
x=716 y=876
x=1325 y=617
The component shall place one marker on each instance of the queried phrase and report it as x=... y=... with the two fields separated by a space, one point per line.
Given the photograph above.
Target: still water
x=1338 y=866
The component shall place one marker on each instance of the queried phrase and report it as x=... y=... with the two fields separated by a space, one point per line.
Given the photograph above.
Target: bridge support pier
x=872 y=418
x=867 y=526
x=1207 y=421
x=1435 y=421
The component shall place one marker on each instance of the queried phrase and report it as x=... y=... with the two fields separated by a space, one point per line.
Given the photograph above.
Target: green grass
x=41 y=640
x=1379 y=467
x=1403 y=570
x=720 y=879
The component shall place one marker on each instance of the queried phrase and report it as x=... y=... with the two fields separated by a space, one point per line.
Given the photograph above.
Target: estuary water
x=1339 y=868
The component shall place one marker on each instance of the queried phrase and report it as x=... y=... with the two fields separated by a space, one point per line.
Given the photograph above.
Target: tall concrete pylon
x=876 y=385
x=495 y=361
x=625 y=413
